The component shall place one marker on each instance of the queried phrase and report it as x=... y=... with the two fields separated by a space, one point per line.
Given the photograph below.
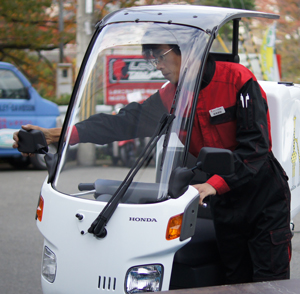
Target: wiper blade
x=98 y=226
x=172 y=111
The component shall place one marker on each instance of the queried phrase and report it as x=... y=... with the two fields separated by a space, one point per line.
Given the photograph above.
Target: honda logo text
x=143 y=219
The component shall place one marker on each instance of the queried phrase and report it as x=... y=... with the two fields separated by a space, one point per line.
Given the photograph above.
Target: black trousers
x=253 y=227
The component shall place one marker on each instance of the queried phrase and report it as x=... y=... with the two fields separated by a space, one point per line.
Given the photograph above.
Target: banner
x=130 y=78
x=268 y=57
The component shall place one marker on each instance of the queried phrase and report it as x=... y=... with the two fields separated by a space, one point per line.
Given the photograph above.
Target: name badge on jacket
x=217 y=111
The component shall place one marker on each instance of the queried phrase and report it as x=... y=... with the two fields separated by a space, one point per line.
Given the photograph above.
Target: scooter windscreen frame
x=120 y=100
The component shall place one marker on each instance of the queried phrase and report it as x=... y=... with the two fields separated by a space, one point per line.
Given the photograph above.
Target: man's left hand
x=204 y=191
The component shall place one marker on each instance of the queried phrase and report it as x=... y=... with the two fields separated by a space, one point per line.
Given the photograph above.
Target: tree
x=288 y=30
x=287 y=35
x=29 y=24
x=28 y=27
x=105 y=6
x=241 y=4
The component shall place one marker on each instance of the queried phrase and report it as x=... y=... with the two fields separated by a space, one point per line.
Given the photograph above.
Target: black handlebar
x=86 y=186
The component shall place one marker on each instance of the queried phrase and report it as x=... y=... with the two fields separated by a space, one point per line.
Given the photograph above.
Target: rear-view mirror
x=210 y=160
x=215 y=161
x=32 y=141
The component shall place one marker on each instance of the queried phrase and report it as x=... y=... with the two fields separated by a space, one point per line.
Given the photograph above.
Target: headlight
x=144 y=278
x=49 y=265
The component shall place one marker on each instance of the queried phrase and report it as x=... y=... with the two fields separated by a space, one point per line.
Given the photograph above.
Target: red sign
x=130 y=78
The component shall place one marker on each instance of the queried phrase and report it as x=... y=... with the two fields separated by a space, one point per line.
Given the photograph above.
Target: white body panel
x=284 y=108
x=129 y=243
x=84 y=258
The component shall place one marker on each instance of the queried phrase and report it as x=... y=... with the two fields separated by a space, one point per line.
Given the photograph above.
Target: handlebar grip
x=32 y=141
x=86 y=186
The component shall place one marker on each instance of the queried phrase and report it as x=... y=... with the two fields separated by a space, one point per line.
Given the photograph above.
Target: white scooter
x=111 y=229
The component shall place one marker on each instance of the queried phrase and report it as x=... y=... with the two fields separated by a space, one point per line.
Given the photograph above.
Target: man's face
x=168 y=63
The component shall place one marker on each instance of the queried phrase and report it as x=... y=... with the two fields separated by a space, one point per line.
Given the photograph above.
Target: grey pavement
x=21 y=243
x=295 y=262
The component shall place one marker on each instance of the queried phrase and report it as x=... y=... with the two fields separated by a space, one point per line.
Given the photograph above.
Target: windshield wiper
x=98 y=226
x=172 y=111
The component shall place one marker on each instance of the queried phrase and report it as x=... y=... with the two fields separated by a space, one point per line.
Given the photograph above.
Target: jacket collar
x=209 y=72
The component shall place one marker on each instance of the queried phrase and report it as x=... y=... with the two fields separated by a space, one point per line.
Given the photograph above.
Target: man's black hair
x=147 y=49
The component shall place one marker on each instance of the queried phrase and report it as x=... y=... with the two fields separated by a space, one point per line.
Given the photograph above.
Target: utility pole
x=64 y=75
x=84 y=19
x=86 y=153
x=61 y=29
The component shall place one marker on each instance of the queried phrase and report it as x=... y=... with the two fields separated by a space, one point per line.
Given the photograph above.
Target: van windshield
x=130 y=81
x=10 y=86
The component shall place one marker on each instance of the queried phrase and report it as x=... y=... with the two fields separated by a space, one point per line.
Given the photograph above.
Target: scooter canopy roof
x=202 y=17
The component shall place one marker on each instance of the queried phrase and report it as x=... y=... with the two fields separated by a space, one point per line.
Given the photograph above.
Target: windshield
x=128 y=84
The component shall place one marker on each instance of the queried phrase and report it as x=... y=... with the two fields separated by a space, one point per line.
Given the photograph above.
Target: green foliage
x=29 y=24
x=226 y=31
x=287 y=35
x=241 y=4
x=28 y=27
x=62 y=100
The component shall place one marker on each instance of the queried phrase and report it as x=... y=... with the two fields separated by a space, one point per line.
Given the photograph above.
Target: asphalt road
x=21 y=242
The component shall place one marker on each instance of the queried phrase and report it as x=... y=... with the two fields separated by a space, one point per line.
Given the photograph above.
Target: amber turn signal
x=40 y=208
x=174 y=227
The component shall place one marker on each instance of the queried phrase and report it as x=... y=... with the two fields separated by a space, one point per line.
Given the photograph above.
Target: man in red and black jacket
x=251 y=208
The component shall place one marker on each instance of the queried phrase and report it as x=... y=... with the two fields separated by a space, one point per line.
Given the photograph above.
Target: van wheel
x=19 y=162
x=38 y=160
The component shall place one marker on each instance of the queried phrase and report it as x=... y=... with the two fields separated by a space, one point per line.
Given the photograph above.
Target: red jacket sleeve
x=74 y=139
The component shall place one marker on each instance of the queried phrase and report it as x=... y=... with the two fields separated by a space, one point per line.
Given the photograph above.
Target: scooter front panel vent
x=107 y=283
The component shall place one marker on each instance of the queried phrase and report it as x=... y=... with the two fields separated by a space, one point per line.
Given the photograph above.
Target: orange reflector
x=40 y=208
x=174 y=227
